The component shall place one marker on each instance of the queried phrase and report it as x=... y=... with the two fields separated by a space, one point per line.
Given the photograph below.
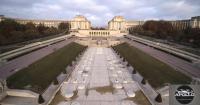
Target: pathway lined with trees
x=164 y=30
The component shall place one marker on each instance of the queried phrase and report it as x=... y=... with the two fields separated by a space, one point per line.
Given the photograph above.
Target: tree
x=31 y=34
x=40 y=99
x=7 y=26
x=41 y=28
x=3 y=40
x=160 y=28
x=51 y=31
x=14 y=32
x=30 y=26
x=16 y=36
x=64 y=26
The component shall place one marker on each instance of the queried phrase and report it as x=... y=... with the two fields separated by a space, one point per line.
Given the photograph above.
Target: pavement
x=99 y=79
x=177 y=63
x=17 y=64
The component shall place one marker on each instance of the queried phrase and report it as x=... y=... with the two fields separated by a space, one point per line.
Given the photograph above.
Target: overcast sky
x=99 y=12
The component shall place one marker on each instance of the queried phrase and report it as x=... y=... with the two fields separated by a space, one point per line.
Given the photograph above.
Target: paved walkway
x=176 y=63
x=99 y=79
x=17 y=64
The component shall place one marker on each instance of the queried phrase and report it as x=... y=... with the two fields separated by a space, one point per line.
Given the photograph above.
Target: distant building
x=180 y=24
x=119 y=23
x=2 y=18
x=194 y=22
x=79 y=22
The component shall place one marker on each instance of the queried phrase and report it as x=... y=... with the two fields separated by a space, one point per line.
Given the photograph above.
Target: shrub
x=64 y=72
x=158 y=98
x=55 y=82
x=134 y=72
x=40 y=99
x=124 y=59
x=143 y=81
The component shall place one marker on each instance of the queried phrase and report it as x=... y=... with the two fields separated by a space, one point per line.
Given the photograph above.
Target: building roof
x=118 y=18
x=79 y=18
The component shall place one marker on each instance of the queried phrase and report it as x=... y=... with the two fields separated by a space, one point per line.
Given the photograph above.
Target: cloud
x=99 y=12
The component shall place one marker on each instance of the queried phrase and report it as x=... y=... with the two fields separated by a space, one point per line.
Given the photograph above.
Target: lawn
x=156 y=72
x=39 y=75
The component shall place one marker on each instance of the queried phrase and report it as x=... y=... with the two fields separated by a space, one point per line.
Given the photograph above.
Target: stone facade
x=99 y=33
x=180 y=24
x=194 y=22
x=80 y=22
x=119 y=23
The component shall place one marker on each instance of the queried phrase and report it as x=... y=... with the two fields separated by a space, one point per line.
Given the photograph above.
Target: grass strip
x=39 y=75
x=156 y=72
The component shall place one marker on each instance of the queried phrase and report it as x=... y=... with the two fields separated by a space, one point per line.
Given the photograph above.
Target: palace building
x=78 y=22
x=194 y=22
x=119 y=23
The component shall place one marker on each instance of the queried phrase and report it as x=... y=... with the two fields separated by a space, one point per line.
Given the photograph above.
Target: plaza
x=102 y=67
x=100 y=78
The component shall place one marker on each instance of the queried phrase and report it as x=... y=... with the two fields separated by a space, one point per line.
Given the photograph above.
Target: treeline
x=165 y=30
x=12 y=32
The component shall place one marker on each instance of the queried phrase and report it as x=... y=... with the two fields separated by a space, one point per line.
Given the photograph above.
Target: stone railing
x=30 y=47
x=186 y=55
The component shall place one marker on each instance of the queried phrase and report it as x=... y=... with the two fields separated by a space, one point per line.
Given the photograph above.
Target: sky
x=99 y=12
